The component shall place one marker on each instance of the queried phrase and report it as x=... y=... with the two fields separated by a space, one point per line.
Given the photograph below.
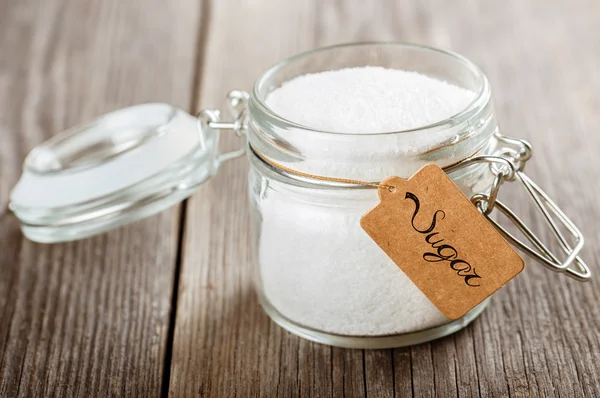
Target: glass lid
x=124 y=166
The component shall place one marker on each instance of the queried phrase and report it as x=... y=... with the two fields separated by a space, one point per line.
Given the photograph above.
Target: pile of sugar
x=318 y=267
x=367 y=100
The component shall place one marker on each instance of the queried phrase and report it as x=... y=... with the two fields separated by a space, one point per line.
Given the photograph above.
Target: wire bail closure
x=508 y=165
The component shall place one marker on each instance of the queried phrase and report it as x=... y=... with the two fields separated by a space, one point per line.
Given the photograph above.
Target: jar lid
x=122 y=167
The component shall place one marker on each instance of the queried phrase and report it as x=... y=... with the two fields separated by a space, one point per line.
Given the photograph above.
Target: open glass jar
x=318 y=274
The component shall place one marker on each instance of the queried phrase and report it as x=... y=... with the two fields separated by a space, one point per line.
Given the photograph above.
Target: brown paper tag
x=429 y=228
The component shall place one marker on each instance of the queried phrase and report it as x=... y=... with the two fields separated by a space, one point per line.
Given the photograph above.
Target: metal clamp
x=210 y=119
x=508 y=165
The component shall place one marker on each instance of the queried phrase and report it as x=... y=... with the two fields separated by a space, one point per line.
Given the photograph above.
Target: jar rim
x=481 y=98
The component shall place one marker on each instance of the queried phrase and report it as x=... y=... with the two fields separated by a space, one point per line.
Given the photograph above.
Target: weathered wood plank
x=539 y=336
x=86 y=318
x=287 y=366
x=224 y=344
x=348 y=374
x=402 y=376
x=379 y=380
x=531 y=340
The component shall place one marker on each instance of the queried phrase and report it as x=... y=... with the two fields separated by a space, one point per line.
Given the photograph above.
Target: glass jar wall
x=318 y=274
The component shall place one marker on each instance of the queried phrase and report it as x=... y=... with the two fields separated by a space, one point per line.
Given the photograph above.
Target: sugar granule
x=318 y=267
x=367 y=100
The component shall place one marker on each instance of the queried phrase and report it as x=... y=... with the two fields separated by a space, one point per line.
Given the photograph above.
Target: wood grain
x=87 y=318
x=224 y=344
x=540 y=335
x=92 y=318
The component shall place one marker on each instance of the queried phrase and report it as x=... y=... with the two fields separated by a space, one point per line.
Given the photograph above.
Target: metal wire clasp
x=508 y=165
x=210 y=119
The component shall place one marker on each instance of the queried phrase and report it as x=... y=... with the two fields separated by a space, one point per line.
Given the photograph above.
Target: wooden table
x=165 y=306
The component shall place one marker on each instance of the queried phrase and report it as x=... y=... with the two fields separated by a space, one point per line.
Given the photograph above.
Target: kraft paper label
x=433 y=232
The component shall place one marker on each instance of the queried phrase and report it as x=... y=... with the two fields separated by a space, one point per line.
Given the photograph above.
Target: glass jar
x=318 y=274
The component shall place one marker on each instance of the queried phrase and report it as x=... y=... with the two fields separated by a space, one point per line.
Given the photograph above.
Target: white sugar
x=367 y=100
x=318 y=267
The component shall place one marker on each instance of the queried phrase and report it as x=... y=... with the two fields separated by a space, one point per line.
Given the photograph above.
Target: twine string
x=323 y=178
